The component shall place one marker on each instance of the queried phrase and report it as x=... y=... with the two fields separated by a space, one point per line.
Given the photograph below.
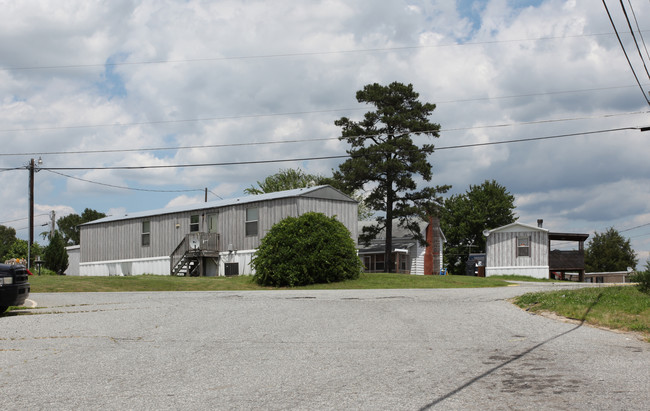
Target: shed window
x=523 y=246
x=194 y=223
x=146 y=233
x=252 y=215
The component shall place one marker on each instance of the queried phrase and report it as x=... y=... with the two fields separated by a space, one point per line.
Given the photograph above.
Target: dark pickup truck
x=14 y=286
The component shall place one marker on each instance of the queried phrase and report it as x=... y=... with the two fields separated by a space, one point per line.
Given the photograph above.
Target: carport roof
x=567 y=236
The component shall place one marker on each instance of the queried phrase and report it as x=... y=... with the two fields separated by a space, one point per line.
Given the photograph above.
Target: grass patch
x=513 y=277
x=58 y=284
x=621 y=308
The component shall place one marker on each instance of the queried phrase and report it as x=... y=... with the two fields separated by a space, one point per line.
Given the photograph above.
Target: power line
x=295 y=113
x=625 y=52
x=634 y=228
x=21 y=219
x=243 y=144
x=636 y=43
x=252 y=162
x=638 y=28
x=300 y=54
x=53 y=169
x=123 y=187
x=537 y=138
x=191 y=120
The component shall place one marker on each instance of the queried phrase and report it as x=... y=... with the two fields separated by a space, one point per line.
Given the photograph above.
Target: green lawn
x=622 y=307
x=56 y=284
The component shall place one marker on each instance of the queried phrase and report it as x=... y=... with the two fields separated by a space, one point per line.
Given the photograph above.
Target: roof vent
x=540 y=223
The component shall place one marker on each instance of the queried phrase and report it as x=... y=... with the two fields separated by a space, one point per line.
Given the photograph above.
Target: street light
x=32 y=170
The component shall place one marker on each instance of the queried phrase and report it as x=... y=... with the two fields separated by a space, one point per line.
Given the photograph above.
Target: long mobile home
x=212 y=238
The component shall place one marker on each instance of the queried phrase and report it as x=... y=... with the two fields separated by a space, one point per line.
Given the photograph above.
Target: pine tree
x=384 y=158
x=55 y=255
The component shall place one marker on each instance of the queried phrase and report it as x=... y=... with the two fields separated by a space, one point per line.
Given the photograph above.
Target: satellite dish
x=194 y=244
x=486 y=232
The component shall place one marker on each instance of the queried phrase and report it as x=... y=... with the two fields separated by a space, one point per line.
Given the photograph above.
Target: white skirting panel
x=160 y=265
x=535 y=272
x=156 y=265
x=242 y=257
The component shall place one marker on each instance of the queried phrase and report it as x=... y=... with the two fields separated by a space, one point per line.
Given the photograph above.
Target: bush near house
x=309 y=249
x=642 y=278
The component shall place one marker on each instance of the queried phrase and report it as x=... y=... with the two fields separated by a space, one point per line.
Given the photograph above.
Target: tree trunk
x=388 y=260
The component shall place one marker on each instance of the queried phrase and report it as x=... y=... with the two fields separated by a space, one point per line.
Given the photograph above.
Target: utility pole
x=52 y=222
x=31 y=213
x=32 y=166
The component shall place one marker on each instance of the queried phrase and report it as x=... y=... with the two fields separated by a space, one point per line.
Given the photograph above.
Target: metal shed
x=524 y=249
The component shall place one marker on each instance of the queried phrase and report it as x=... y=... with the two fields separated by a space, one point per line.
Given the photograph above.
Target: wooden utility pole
x=53 y=223
x=31 y=213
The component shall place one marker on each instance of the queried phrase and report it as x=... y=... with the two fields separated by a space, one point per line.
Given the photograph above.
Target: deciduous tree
x=609 y=251
x=464 y=217
x=288 y=179
x=7 y=238
x=384 y=158
x=69 y=225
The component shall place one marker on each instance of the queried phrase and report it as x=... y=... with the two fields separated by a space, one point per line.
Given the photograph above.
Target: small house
x=522 y=249
x=408 y=255
x=212 y=239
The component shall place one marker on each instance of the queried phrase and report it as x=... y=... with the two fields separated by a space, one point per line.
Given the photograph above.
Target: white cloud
x=478 y=60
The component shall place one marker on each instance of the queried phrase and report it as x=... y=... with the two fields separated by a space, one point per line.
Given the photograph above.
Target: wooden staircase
x=189 y=257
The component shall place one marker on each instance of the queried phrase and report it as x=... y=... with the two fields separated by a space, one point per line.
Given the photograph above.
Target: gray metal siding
x=502 y=249
x=345 y=211
x=121 y=239
x=232 y=222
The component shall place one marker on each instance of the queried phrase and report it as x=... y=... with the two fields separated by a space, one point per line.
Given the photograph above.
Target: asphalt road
x=371 y=349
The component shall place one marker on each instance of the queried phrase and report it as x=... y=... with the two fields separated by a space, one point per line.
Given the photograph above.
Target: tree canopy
x=19 y=248
x=464 y=217
x=7 y=238
x=69 y=225
x=384 y=157
x=609 y=251
x=286 y=179
x=289 y=179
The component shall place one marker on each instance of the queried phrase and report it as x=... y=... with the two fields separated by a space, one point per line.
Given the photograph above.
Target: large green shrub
x=642 y=278
x=309 y=249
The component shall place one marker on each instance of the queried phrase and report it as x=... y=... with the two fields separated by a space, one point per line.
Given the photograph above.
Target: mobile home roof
x=334 y=194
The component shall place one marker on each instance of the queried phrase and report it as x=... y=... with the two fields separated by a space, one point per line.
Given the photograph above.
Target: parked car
x=14 y=287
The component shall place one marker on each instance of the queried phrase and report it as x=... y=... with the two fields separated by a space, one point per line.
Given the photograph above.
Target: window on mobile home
x=194 y=223
x=252 y=215
x=523 y=246
x=146 y=233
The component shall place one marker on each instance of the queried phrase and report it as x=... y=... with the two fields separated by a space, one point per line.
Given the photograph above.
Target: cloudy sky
x=245 y=86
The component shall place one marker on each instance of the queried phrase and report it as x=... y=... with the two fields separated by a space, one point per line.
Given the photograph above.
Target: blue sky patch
x=472 y=9
x=111 y=83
